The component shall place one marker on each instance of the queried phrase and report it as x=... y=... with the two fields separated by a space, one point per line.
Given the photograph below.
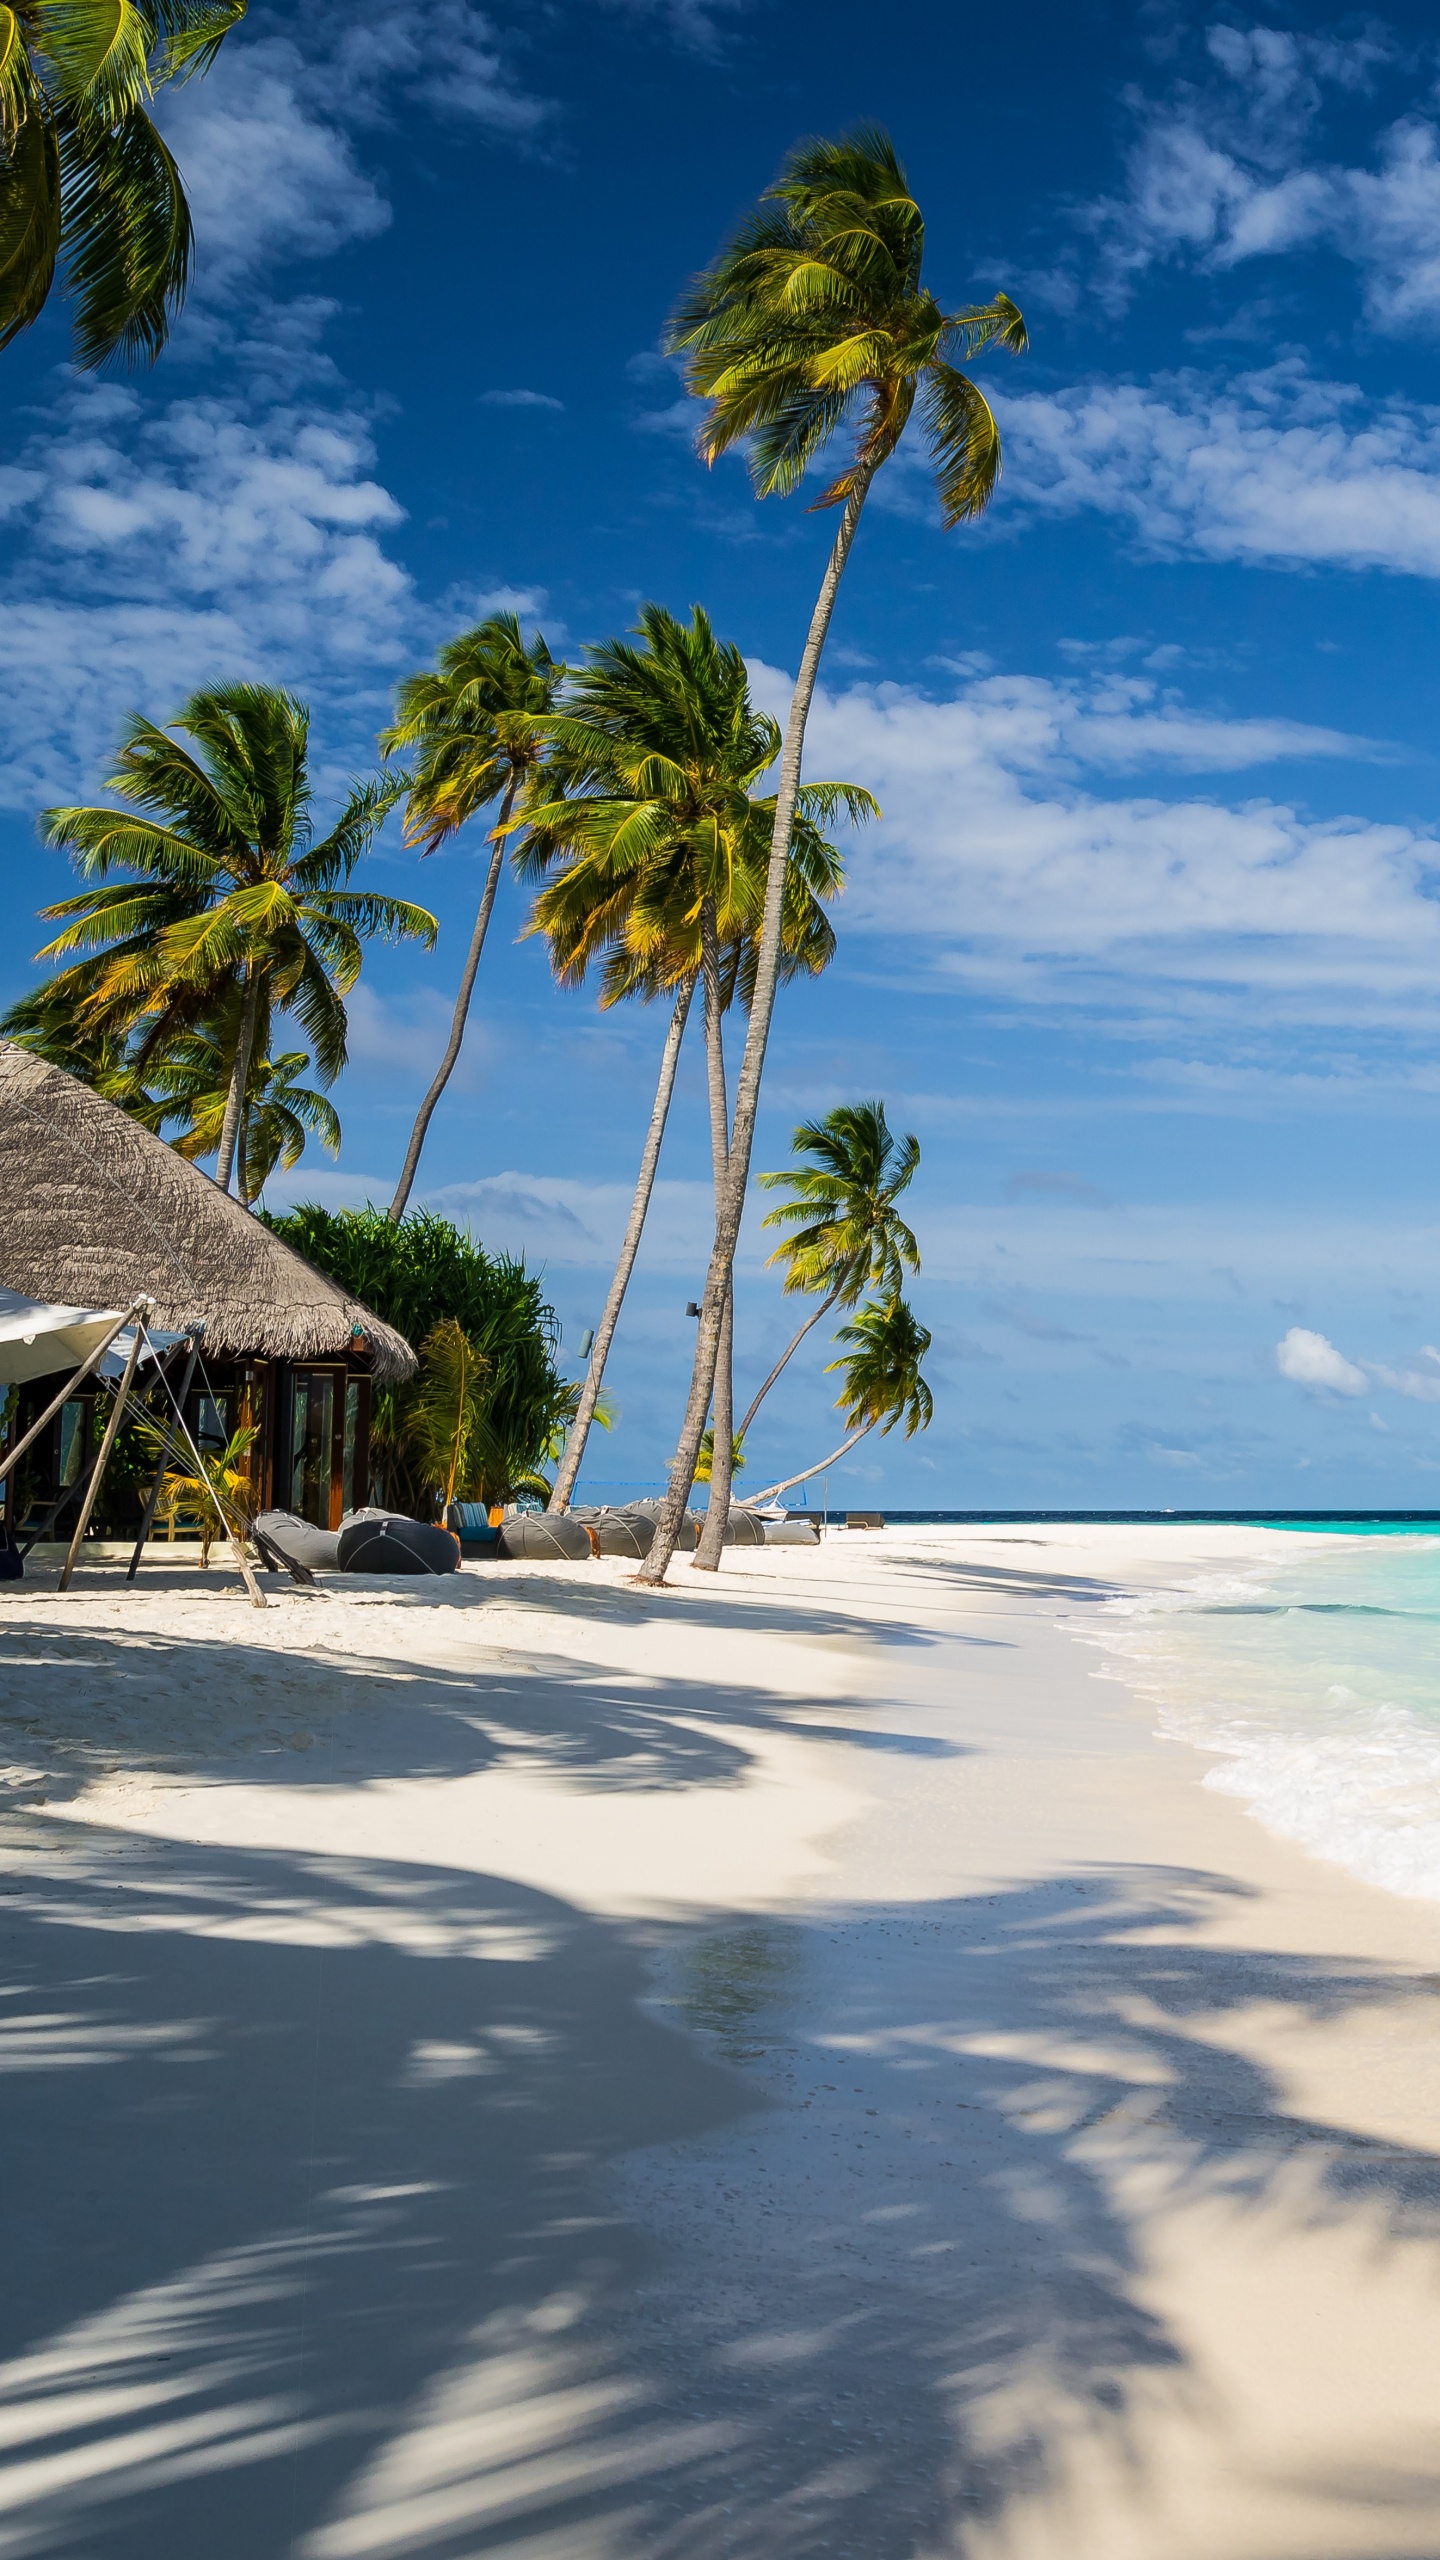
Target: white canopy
x=36 y=1340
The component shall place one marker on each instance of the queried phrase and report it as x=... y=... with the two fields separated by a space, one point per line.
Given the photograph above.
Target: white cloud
x=519 y=400
x=1312 y=1361
x=1272 y=466
x=173 y=545
x=1003 y=867
x=1224 y=170
x=1421 y=1385
x=265 y=141
x=266 y=176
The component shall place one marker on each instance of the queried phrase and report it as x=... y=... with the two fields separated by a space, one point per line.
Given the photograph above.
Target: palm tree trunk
x=747 y=1096
x=239 y=1079
x=462 y=1007
x=833 y=1460
x=569 y=1467
x=722 y=1412
x=791 y=1347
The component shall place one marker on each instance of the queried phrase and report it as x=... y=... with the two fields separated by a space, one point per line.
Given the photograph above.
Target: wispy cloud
x=160 y=545
x=1228 y=167
x=1272 y=466
x=519 y=400
x=1003 y=862
x=266 y=142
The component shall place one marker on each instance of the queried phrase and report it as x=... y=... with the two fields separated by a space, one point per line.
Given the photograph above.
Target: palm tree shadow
x=369 y=2209
x=80 y=1703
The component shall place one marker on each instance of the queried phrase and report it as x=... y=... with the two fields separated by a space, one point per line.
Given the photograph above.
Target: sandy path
x=787 y=2068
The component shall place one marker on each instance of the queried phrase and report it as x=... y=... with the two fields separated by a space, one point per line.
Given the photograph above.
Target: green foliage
x=226 y=889
x=647 y=808
x=418 y=1274
x=84 y=174
x=472 y=724
x=881 y=1370
x=814 y=318
x=846 y=1234
x=446 y=1405
x=706 y=1460
x=219 y=1495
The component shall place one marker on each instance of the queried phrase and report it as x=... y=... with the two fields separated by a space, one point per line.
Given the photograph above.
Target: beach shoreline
x=918 y=2115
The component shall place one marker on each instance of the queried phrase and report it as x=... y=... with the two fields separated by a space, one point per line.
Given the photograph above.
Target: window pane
x=352 y=1425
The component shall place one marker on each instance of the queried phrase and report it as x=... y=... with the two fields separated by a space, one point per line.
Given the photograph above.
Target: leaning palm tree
x=651 y=842
x=472 y=722
x=85 y=178
x=815 y=318
x=227 y=890
x=882 y=1383
x=846 y=1234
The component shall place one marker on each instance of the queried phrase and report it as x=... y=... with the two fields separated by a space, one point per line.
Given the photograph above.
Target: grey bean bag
x=690 y=1526
x=297 y=1541
x=744 y=1529
x=385 y=1542
x=563 y=1540
x=622 y=1533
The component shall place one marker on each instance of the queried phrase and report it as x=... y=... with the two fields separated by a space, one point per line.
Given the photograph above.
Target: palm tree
x=813 y=318
x=445 y=1411
x=473 y=723
x=84 y=175
x=651 y=844
x=188 y=1089
x=847 y=1235
x=230 y=894
x=882 y=1382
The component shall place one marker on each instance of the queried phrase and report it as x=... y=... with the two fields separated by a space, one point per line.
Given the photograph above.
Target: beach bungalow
x=95 y=1212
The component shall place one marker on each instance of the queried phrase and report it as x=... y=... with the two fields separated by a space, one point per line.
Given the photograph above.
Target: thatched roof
x=94 y=1211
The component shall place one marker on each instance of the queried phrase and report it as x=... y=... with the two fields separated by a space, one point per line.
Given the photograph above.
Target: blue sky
x=1147 y=946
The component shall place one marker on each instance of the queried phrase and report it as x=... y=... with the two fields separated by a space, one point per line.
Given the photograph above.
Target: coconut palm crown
x=227 y=887
x=845 y=1233
x=472 y=726
x=85 y=178
x=815 y=317
x=647 y=811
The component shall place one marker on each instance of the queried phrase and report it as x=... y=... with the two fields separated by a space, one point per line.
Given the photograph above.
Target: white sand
x=791 y=2066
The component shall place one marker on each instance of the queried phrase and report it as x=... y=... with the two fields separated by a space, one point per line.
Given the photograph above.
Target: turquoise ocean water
x=1313 y=1681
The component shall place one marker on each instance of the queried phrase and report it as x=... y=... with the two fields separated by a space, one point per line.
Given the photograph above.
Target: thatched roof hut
x=94 y=1211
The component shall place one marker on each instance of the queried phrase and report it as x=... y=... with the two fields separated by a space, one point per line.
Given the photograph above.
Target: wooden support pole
x=106 y=1445
x=152 y=1499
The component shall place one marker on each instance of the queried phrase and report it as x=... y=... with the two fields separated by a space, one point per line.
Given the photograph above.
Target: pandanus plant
x=815 y=320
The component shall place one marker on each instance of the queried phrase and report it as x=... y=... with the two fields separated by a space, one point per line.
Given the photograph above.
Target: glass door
x=312 y=1449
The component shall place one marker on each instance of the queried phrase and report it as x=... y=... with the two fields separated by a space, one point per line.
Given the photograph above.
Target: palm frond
x=127 y=236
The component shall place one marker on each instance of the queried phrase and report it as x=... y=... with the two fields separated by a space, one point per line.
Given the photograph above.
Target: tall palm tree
x=882 y=1382
x=847 y=1235
x=84 y=175
x=812 y=319
x=472 y=721
x=651 y=842
x=227 y=889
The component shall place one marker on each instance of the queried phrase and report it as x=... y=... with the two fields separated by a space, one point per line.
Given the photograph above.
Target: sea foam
x=1315 y=1684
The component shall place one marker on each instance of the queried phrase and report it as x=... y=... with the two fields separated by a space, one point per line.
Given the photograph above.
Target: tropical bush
x=421 y=1275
